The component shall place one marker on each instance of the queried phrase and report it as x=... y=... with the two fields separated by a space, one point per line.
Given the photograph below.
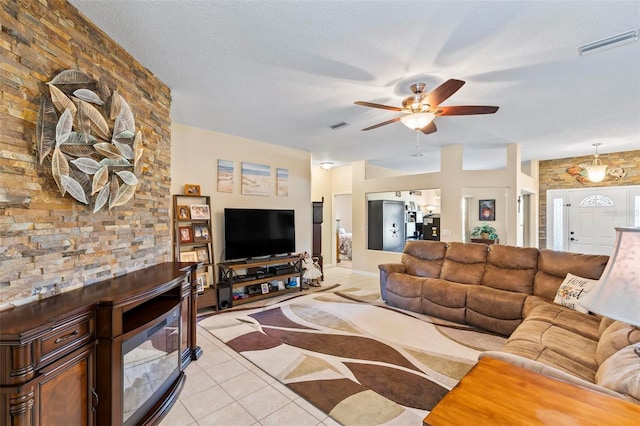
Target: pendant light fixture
x=597 y=171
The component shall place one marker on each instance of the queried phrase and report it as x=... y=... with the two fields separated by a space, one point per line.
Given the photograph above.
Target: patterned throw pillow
x=572 y=289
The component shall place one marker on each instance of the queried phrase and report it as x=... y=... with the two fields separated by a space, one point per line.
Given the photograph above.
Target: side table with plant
x=484 y=231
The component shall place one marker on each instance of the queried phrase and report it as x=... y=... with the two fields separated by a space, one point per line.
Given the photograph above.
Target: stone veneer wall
x=553 y=175
x=47 y=240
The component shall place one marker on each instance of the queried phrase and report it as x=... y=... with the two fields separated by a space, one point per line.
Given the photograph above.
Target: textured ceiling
x=282 y=72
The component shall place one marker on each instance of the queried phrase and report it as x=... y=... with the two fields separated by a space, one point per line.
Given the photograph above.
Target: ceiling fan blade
x=429 y=128
x=444 y=91
x=466 y=110
x=384 y=123
x=372 y=105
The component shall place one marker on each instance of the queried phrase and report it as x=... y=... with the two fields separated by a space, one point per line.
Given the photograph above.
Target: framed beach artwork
x=282 y=182
x=256 y=179
x=225 y=176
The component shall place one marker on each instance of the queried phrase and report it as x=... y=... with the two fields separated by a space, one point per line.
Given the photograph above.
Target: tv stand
x=283 y=270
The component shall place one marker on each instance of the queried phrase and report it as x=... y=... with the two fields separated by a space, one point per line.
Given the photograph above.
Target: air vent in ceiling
x=338 y=125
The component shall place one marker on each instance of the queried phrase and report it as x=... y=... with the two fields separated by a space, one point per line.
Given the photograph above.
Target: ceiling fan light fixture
x=609 y=42
x=597 y=171
x=418 y=120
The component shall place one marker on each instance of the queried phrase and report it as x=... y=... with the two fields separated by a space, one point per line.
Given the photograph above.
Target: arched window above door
x=596 y=201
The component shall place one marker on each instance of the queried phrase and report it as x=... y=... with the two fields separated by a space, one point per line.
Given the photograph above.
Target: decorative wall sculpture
x=95 y=163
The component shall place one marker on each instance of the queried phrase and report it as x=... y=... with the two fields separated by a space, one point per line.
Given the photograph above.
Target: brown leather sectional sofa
x=510 y=291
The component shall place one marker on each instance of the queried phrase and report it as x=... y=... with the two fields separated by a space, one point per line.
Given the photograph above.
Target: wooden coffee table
x=497 y=393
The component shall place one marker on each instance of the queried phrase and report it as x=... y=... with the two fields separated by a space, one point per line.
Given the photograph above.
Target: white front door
x=584 y=220
x=593 y=217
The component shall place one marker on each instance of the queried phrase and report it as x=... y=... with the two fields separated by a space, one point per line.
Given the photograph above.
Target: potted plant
x=484 y=231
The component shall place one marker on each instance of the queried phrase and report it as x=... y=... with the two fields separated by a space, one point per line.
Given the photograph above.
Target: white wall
x=452 y=180
x=343 y=211
x=194 y=159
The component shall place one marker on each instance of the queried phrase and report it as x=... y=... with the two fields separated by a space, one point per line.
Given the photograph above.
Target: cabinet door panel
x=64 y=392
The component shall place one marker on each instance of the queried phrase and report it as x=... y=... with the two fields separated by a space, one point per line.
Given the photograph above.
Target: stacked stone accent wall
x=47 y=240
x=553 y=175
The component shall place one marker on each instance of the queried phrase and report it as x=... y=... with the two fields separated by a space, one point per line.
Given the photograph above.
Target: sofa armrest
x=387 y=269
x=548 y=371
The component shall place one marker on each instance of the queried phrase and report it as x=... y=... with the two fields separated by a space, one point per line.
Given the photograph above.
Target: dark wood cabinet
x=66 y=390
x=61 y=358
x=316 y=250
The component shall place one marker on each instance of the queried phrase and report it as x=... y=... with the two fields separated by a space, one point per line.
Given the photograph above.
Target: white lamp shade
x=596 y=173
x=617 y=296
x=418 y=120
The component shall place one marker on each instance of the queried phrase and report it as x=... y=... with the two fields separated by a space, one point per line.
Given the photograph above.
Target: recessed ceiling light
x=418 y=154
x=326 y=165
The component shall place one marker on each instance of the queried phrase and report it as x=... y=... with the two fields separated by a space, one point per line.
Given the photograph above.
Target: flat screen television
x=250 y=233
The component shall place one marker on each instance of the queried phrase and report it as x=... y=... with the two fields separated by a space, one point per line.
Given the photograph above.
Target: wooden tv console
x=61 y=357
x=229 y=276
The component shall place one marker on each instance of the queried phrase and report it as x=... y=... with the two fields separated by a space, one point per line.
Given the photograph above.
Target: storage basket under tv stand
x=230 y=274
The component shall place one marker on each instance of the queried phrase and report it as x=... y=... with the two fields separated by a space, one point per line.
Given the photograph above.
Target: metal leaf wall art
x=93 y=162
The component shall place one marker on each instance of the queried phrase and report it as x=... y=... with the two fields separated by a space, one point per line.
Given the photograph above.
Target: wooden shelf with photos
x=192 y=239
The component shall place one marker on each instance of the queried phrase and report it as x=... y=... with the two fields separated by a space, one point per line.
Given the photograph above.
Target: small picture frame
x=265 y=288
x=185 y=234
x=202 y=281
x=200 y=232
x=189 y=256
x=203 y=254
x=183 y=213
x=487 y=210
x=200 y=212
x=190 y=189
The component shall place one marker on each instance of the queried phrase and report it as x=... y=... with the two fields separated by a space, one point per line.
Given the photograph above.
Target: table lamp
x=617 y=296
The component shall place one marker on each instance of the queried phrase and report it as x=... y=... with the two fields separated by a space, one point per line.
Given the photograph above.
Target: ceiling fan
x=421 y=108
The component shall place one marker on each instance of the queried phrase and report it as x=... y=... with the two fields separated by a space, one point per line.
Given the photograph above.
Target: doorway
x=343 y=230
x=584 y=220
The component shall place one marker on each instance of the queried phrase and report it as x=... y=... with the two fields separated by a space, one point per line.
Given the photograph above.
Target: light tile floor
x=223 y=388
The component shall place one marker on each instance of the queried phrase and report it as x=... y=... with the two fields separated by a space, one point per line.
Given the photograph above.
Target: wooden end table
x=498 y=393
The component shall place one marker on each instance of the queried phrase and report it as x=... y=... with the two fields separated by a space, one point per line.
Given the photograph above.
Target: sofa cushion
x=464 y=263
x=424 y=258
x=511 y=268
x=540 y=353
x=617 y=336
x=553 y=267
x=572 y=289
x=576 y=322
x=495 y=310
x=621 y=372
x=502 y=327
x=565 y=343
x=404 y=291
x=444 y=299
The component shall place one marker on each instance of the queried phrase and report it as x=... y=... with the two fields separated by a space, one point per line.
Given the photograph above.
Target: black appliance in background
x=431 y=228
x=386 y=225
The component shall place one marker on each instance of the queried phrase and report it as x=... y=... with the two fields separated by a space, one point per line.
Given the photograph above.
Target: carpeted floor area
x=350 y=356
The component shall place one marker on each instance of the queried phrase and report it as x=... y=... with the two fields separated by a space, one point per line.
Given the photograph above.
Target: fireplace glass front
x=151 y=362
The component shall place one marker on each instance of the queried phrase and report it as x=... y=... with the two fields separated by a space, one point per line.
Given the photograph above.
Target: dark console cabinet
x=317 y=232
x=61 y=358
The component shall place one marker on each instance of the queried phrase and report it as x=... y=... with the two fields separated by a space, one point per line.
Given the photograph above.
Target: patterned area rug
x=360 y=363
